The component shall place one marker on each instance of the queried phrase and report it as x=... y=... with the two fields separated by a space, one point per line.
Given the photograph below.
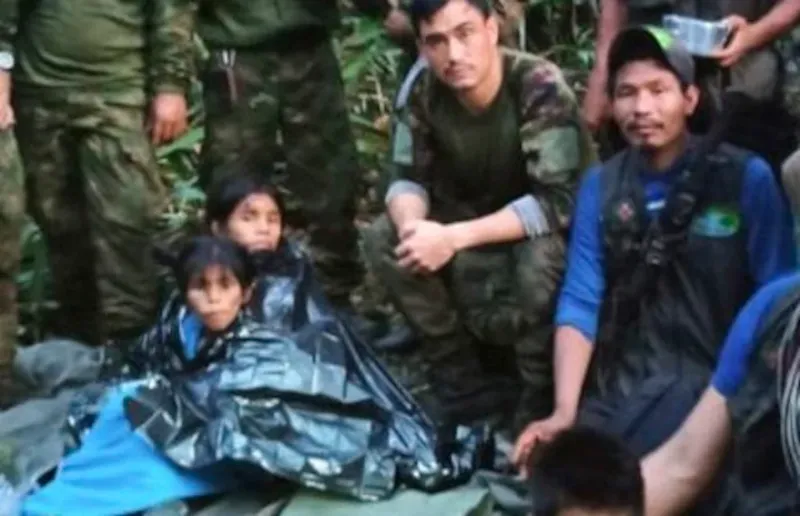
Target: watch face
x=6 y=60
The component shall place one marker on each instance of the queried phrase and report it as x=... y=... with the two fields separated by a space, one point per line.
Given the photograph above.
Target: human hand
x=740 y=44
x=6 y=111
x=543 y=430
x=425 y=246
x=168 y=117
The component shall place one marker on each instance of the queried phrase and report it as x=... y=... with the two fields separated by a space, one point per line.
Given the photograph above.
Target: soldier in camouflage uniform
x=85 y=76
x=487 y=156
x=12 y=210
x=273 y=70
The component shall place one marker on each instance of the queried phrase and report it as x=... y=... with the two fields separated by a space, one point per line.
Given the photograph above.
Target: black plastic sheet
x=301 y=397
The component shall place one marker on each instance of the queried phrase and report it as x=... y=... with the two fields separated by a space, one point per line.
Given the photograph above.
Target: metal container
x=701 y=38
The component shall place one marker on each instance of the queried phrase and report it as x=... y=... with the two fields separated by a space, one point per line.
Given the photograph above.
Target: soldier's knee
x=790 y=176
x=378 y=239
x=540 y=271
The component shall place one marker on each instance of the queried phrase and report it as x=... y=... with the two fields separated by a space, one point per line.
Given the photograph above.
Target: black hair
x=228 y=192
x=423 y=10
x=587 y=469
x=205 y=251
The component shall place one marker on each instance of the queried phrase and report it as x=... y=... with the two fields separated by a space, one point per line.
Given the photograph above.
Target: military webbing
x=666 y=233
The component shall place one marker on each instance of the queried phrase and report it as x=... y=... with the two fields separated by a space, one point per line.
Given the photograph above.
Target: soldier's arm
x=407 y=198
x=169 y=33
x=782 y=17
x=676 y=473
x=556 y=146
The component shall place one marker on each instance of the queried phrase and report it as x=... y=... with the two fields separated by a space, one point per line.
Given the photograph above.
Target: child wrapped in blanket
x=218 y=385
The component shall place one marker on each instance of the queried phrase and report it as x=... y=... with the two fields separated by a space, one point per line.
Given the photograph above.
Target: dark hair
x=205 y=251
x=227 y=193
x=423 y=10
x=587 y=469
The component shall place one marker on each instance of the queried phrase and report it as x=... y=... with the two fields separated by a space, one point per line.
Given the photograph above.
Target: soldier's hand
x=537 y=432
x=168 y=117
x=6 y=111
x=425 y=246
x=740 y=44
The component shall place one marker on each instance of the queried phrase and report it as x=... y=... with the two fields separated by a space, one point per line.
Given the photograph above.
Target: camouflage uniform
x=273 y=74
x=84 y=75
x=500 y=296
x=12 y=211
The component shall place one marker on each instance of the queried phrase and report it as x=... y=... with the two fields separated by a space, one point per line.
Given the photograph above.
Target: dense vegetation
x=371 y=64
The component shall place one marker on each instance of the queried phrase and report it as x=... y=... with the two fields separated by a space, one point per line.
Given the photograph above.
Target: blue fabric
x=191 y=329
x=115 y=471
x=742 y=337
x=765 y=213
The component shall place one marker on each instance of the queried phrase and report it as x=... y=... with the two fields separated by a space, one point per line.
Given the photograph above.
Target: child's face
x=255 y=224
x=216 y=296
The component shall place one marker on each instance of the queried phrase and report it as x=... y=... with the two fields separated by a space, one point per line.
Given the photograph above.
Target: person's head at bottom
x=652 y=89
x=584 y=472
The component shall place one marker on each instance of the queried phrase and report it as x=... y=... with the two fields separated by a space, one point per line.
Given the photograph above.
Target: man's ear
x=493 y=27
x=692 y=95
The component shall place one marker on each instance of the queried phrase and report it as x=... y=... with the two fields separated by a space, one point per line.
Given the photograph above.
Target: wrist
x=459 y=236
x=565 y=413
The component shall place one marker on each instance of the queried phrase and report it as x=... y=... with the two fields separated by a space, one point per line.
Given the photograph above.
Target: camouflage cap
x=649 y=42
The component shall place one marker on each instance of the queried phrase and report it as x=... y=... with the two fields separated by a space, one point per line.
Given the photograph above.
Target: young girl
x=249 y=210
x=115 y=470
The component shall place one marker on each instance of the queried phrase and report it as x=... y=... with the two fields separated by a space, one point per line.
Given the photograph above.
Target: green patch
x=717 y=222
x=402 y=145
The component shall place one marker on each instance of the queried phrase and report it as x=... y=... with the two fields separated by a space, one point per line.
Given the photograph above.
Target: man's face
x=459 y=44
x=649 y=104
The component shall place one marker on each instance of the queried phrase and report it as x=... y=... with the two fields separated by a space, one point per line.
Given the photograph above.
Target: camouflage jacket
x=100 y=45
x=556 y=145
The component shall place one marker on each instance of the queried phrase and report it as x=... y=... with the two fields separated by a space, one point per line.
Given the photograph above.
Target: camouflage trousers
x=12 y=213
x=253 y=98
x=94 y=189
x=490 y=310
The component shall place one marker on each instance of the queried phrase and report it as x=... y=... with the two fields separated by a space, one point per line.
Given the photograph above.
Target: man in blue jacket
x=669 y=240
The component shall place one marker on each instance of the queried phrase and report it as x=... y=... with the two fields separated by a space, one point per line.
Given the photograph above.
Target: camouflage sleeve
x=9 y=20
x=556 y=145
x=170 y=44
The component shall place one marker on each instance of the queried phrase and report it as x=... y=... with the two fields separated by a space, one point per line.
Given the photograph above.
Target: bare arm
x=677 y=472
x=613 y=17
x=782 y=17
x=501 y=226
x=573 y=352
x=406 y=207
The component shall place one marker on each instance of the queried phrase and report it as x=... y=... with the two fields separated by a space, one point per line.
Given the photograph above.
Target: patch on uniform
x=558 y=150
x=625 y=211
x=717 y=222
x=402 y=145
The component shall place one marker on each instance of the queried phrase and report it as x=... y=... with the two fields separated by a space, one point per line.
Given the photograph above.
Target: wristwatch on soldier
x=6 y=61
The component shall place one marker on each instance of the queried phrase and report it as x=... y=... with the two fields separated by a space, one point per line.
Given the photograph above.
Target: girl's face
x=216 y=296
x=255 y=224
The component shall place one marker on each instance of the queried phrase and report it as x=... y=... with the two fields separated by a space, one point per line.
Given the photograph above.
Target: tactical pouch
x=221 y=76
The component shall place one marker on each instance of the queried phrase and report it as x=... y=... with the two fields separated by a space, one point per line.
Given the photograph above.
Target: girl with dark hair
x=215 y=278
